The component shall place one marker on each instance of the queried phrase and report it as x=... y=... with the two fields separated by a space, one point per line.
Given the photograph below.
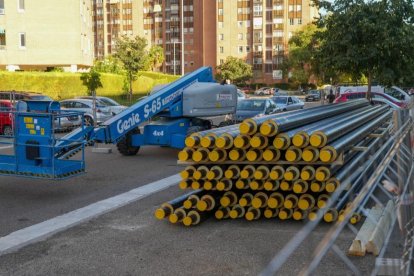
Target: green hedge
x=61 y=86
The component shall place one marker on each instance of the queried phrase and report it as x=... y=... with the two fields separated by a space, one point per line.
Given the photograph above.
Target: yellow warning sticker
x=28 y=120
x=33 y=132
x=30 y=126
x=42 y=131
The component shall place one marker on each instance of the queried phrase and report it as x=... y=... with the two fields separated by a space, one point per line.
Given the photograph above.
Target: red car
x=358 y=95
x=6 y=118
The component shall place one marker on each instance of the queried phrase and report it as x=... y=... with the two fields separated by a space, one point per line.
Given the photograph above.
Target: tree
x=132 y=54
x=234 y=69
x=374 y=38
x=155 y=58
x=92 y=81
x=109 y=64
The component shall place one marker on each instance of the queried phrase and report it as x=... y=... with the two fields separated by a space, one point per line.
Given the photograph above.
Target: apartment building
x=211 y=30
x=35 y=35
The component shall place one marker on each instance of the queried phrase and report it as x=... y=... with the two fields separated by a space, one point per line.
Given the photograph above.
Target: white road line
x=43 y=230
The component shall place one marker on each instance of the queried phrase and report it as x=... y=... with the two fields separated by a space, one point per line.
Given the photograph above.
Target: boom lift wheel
x=125 y=145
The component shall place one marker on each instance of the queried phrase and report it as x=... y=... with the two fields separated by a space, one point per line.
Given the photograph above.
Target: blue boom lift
x=175 y=111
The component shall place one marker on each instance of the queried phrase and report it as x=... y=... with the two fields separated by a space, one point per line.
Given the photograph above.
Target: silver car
x=287 y=103
x=113 y=106
x=103 y=113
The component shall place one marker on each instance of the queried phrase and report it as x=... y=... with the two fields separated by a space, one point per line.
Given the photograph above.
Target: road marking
x=43 y=230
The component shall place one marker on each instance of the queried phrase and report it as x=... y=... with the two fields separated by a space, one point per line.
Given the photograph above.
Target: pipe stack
x=282 y=166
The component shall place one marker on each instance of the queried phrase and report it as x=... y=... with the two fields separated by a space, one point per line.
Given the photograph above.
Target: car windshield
x=280 y=100
x=109 y=102
x=257 y=105
x=41 y=98
x=313 y=92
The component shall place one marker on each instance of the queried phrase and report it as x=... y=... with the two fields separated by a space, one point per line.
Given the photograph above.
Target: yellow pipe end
x=225 y=201
x=258 y=174
x=288 y=204
x=208 y=185
x=297 y=215
x=303 y=204
x=249 y=216
x=312 y=216
x=321 y=204
x=173 y=218
x=243 y=202
x=320 y=175
x=305 y=175
x=245 y=127
x=251 y=155
x=328 y=154
x=353 y=220
x=220 y=186
x=219 y=214
x=291 y=155
x=316 y=140
x=202 y=205
x=297 y=188
x=298 y=140
x=284 y=186
x=207 y=141
x=197 y=175
x=257 y=202
x=197 y=156
x=234 y=155
x=268 y=213
x=214 y=156
x=328 y=217
x=315 y=187
x=187 y=204
x=240 y=184
x=274 y=175
x=184 y=174
x=283 y=215
x=159 y=214
x=239 y=142
x=244 y=174
x=272 y=203
x=266 y=129
x=211 y=175
x=187 y=221
x=229 y=174
x=182 y=185
x=255 y=142
x=195 y=185
x=254 y=185
x=183 y=155
x=308 y=155
x=268 y=155
x=288 y=176
x=330 y=187
x=279 y=142
x=221 y=142
x=268 y=186
x=190 y=141
x=234 y=214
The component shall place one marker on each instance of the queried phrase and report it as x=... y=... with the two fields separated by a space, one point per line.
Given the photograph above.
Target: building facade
x=36 y=35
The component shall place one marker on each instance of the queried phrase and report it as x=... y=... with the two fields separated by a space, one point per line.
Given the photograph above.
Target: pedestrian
x=331 y=96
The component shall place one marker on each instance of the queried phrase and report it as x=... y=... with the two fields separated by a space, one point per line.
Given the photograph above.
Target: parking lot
x=129 y=240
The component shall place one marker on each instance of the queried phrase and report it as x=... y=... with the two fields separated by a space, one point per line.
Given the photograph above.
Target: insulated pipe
x=293 y=154
x=246 y=199
x=232 y=172
x=310 y=154
x=224 y=185
x=277 y=172
x=247 y=172
x=270 y=213
x=215 y=172
x=258 y=141
x=252 y=214
x=237 y=212
x=271 y=185
x=191 y=202
x=210 y=185
x=256 y=185
x=209 y=140
x=306 y=202
x=262 y=172
x=243 y=184
x=200 y=155
x=229 y=198
x=275 y=200
x=260 y=200
x=285 y=213
x=307 y=173
x=222 y=213
x=330 y=153
x=242 y=141
x=322 y=173
x=299 y=214
x=300 y=137
x=193 y=218
x=322 y=200
x=201 y=172
x=317 y=186
x=178 y=215
x=217 y=155
x=300 y=186
x=273 y=125
x=252 y=125
x=187 y=172
x=271 y=154
x=196 y=185
x=254 y=155
x=167 y=208
x=285 y=186
x=194 y=139
x=184 y=184
x=291 y=201
x=292 y=173
x=237 y=154
x=326 y=134
x=185 y=154
x=206 y=203
x=313 y=213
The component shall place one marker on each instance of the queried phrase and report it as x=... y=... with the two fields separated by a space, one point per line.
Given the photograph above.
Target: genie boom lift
x=170 y=115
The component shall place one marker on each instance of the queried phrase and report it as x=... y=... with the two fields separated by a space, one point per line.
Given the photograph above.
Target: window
x=221 y=36
x=220 y=11
x=299 y=21
x=291 y=8
x=221 y=24
x=22 y=37
x=21 y=5
x=247 y=49
x=291 y=21
x=1 y=6
x=221 y=61
x=221 y=49
x=2 y=38
x=240 y=36
x=240 y=24
x=299 y=7
x=240 y=49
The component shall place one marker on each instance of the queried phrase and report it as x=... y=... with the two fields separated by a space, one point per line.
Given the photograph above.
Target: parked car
x=313 y=95
x=113 y=106
x=6 y=118
x=19 y=96
x=241 y=95
x=264 y=91
x=103 y=112
x=252 y=107
x=287 y=103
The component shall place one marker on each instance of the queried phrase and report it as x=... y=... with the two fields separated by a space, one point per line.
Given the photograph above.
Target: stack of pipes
x=278 y=166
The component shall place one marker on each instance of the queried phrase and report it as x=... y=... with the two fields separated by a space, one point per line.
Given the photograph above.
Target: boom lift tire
x=125 y=145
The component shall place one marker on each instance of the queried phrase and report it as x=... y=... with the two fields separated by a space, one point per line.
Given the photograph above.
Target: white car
x=113 y=106
x=103 y=112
